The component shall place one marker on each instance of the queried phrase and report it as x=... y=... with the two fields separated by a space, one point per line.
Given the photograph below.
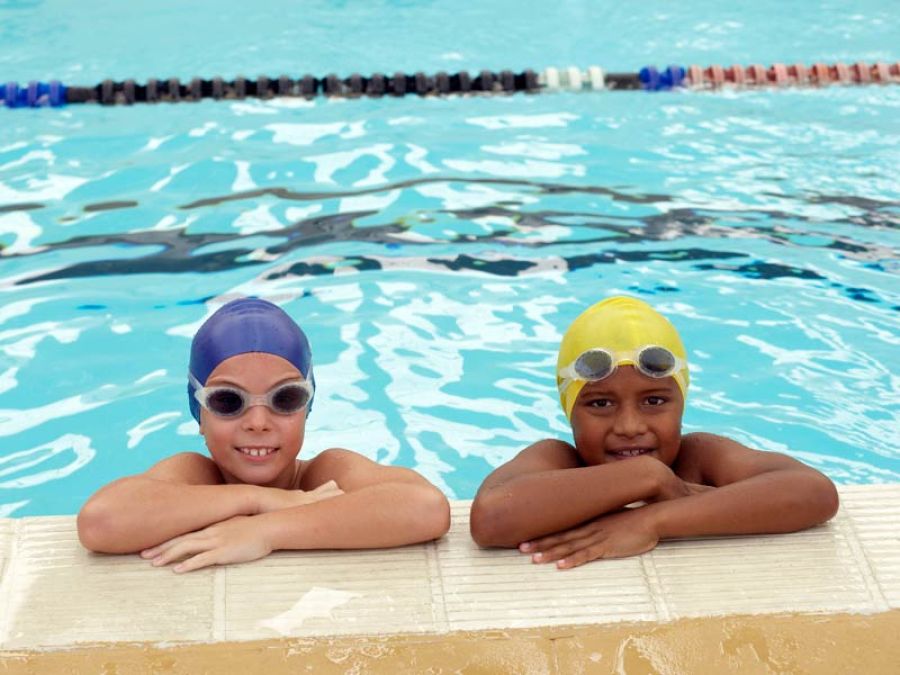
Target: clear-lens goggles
x=598 y=364
x=224 y=401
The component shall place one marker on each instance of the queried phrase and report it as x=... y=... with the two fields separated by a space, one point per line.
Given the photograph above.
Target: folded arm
x=180 y=494
x=753 y=493
x=545 y=489
x=757 y=492
x=380 y=507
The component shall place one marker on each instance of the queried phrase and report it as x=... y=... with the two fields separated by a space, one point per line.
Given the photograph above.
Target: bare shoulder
x=718 y=460
x=190 y=468
x=549 y=454
x=352 y=471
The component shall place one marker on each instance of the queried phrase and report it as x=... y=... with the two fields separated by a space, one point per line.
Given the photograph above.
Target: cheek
x=588 y=433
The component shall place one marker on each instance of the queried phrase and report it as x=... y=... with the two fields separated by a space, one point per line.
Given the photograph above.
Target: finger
x=181 y=550
x=199 y=561
x=546 y=543
x=159 y=548
x=565 y=549
x=581 y=557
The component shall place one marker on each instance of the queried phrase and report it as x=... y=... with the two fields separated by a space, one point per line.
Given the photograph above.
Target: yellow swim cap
x=618 y=324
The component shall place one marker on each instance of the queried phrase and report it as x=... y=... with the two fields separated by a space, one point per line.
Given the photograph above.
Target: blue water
x=435 y=249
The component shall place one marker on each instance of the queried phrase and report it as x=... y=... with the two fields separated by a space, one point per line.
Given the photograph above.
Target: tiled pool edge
x=55 y=596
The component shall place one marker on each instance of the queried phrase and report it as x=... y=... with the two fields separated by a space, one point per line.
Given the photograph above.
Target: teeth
x=256 y=452
x=631 y=452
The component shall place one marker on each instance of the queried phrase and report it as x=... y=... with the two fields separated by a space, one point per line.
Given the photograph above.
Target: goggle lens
x=289 y=399
x=656 y=362
x=225 y=402
x=594 y=364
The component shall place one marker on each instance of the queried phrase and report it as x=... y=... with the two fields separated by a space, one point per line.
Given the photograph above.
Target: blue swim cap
x=247 y=325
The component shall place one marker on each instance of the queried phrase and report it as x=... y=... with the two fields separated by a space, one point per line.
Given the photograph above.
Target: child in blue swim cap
x=251 y=387
x=622 y=376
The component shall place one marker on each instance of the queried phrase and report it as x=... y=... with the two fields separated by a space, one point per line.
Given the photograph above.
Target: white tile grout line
x=863 y=564
x=651 y=576
x=219 y=600
x=7 y=580
x=438 y=594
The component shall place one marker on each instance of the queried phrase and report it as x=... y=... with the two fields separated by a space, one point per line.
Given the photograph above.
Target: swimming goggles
x=598 y=364
x=224 y=401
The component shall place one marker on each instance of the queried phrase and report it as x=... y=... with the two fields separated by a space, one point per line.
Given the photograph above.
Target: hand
x=238 y=539
x=618 y=535
x=671 y=486
x=275 y=499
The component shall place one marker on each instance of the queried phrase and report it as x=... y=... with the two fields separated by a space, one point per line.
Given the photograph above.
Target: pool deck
x=55 y=596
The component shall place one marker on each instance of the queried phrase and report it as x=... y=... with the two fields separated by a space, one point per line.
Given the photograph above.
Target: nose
x=629 y=422
x=256 y=418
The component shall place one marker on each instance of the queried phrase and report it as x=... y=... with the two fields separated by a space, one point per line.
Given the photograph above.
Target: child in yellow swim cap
x=622 y=376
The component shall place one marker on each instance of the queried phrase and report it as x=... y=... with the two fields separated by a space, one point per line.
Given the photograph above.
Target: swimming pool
x=434 y=249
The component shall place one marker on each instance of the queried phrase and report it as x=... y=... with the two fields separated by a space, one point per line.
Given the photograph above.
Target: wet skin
x=628 y=415
x=276 y=437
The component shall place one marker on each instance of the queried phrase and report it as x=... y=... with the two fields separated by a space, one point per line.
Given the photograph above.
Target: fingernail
x=561 y=563
x=525 y=546
x=537 y=557
x=178 y=569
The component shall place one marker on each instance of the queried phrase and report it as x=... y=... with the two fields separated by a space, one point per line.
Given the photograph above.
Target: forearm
x=536 y=504
x=773 y=502
x=136 y=513
x=378 y=516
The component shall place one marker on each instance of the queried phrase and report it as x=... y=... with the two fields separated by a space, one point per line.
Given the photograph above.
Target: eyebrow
x=225 y=380
x=598 y=391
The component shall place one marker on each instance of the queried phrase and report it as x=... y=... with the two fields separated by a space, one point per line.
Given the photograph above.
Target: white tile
x=63 y=595
x=814 y=570
x=7 y=535
x=495 y=589
x=334 y=593
x=875 y=515
x=8 y=529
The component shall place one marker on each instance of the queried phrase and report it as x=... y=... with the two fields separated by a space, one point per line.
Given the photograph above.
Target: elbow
x=93 y=527
x=438 y=509
x=826 y=499
x=486 y=523
x=431 y=514
x=96 y=528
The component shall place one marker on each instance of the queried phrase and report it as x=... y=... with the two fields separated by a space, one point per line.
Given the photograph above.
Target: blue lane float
x=593 y=78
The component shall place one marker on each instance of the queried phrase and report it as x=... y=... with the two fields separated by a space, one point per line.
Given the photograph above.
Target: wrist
x=654 y=515
x=251 y=502
x=664 y=480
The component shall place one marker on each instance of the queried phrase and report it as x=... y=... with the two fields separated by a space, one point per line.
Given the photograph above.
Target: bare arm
x=754 y=493
x=380 y=506
x=545 y=489
x=757 y=492
x=180 y=494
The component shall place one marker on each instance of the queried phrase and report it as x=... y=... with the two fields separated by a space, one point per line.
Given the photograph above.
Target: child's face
x=627 y=415
x=229 y=439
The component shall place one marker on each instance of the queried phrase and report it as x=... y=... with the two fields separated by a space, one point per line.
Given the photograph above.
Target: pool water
x=435 y=249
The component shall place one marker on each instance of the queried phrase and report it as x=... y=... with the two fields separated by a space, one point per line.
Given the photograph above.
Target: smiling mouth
x=256 y=452
x=626 y=453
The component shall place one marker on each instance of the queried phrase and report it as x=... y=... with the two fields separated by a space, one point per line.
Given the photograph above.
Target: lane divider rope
x=594 y=78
